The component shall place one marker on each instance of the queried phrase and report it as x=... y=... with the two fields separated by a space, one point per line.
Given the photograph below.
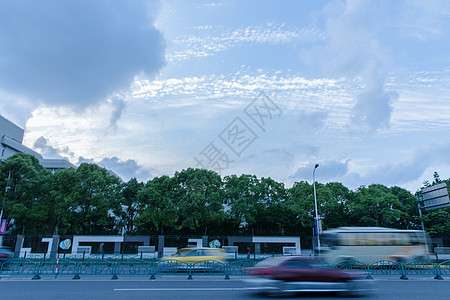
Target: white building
x=11 y=143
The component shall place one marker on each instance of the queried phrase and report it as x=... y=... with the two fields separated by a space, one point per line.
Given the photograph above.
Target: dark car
x=303 y=274
x=5 y=255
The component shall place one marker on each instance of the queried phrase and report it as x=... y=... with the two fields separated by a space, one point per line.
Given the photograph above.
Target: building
x=11 y=143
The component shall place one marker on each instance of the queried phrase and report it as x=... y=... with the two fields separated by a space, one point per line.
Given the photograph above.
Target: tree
x=301 y=201
x=130 y=205
x=336 y=200
x=376 y=206
x=273 y=216
x=95 y=196
x=408 y=204
x=241 y=196
x=158 y=208
x=437 y=178
x=57 y=204
x=24 y=193
x=437 y=222
x=198 y=199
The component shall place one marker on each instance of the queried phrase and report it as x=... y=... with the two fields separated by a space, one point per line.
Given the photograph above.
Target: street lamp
x=316 y=220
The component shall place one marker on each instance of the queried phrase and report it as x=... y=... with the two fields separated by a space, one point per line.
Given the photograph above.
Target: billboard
x=434 y=197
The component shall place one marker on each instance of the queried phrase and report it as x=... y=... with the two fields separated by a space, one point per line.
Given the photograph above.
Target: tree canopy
x=90 y=200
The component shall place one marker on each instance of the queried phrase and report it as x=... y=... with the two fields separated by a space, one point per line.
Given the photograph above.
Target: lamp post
x=316 y=220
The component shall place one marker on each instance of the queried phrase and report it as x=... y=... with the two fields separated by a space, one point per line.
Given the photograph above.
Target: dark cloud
x=82 y=159
x=76 y=52
x=125 y=169
x=48 y=151
x=402 y=172
x=329 y=170
x=389 y=173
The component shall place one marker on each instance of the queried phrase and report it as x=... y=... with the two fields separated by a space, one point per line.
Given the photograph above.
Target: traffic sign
x=434 y=197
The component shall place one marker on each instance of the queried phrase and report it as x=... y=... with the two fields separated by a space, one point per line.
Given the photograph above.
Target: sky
x=270 y=88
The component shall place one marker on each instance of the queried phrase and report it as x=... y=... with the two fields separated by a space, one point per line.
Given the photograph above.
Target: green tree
x=159 y=212
x=408 y=204
x=23 y=193
x=273 y=215
x=437 y=222
x=130 y=207
x=376 y=206
x=301 y=201
x=241 y=197
x=198 y=199
x=335 y=207
x=57 y=205
x=95 y=196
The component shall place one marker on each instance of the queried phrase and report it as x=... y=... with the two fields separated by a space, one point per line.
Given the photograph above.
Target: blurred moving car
x=5 y=255
x=293 y=274
x=194 y=255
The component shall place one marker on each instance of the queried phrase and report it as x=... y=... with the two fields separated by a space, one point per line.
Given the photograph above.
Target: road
x=214 y=287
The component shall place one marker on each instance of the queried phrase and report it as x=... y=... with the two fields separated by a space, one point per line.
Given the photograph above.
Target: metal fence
x=154 y=268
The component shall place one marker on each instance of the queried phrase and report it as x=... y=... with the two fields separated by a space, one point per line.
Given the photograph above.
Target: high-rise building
x=11 y=143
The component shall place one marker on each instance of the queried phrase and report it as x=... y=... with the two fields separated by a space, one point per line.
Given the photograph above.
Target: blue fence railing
x=154 y=268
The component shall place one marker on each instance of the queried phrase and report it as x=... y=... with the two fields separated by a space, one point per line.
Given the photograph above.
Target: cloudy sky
x=270 y=88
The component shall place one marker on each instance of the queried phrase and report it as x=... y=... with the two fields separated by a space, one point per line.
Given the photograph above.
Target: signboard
x=3 y=226
x=65 y=245
x=434 y=197
x=318 y=226
x=214 y=244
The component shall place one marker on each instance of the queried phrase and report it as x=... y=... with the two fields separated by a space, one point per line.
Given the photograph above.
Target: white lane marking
x=180 y=289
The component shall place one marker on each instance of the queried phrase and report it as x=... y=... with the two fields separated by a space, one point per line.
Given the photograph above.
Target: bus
x=371 y=244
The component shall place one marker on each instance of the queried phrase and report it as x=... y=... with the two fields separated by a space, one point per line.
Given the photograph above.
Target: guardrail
x=152 y=268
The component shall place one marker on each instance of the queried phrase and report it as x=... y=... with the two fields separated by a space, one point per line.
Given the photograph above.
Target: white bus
x=371 y=244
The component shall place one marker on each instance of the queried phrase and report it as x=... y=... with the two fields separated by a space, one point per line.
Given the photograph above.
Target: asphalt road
x=214 y=287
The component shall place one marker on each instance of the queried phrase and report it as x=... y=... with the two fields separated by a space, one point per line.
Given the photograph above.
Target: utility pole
x=316 y=221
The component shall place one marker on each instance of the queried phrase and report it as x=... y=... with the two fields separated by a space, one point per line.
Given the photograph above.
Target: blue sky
x=270 y=88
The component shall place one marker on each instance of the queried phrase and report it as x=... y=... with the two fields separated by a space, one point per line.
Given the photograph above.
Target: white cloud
x=201 y=45
x=244 y=85
x=374 y=105
x=353 y=49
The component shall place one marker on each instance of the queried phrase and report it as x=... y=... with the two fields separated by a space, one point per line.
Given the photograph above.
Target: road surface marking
x=179 y=289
